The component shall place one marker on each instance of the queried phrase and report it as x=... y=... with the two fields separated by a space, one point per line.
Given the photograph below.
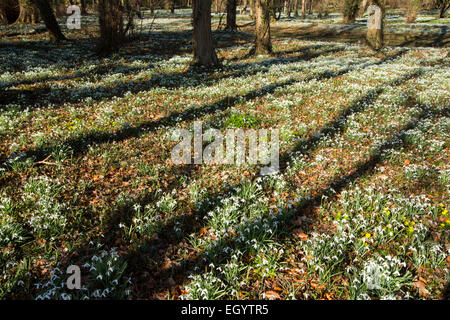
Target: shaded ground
x=431 y=36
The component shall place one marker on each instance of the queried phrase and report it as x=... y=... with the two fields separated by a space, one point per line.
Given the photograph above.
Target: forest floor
x=359 y=208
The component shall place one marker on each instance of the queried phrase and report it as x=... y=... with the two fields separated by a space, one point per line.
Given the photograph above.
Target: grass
x=359 y=209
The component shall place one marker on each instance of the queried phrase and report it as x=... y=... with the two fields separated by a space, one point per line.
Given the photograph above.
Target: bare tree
x=303 y=9
x=363 y=7
x=204 y=52
x=351 y=8
x=111 y=26
x=296 y=8
x=375 y=36
x=49 y=19
x=444 y=5
x=413 y=9
x=27 y=12
x=10 y=11
x=288 y=5
x=83 y=7
x=3 y=18
x=231 y=15
x=263 y=42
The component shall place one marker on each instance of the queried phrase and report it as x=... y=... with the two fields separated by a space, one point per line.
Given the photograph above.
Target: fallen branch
x=46 y=162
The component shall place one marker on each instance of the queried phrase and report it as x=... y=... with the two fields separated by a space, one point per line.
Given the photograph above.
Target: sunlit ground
x=358 y=210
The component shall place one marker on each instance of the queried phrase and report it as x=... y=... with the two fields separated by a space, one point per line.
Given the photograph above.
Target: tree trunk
x=3 y=19
x=375 y=37
x=231 y=15
x=83 y=7
x=296 y=8
x=288 y=8
x=413 y=10
x=351 y=8
x=26 y=12
x=49 y=19
x=443 y=9
x=303 y=9
x=263 y=43
x=363 y=8
x=244 y=7
x=111 y=26
x=152 y=5
x=204 y=52
x=310 y=5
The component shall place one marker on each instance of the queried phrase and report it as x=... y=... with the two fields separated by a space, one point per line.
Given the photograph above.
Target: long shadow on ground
x=334 y=127
x=182 y=269
x=80 y=144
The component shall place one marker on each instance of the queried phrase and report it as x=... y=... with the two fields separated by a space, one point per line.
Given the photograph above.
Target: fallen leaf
x=300 y=234
x=422 y=290
x=272 y=295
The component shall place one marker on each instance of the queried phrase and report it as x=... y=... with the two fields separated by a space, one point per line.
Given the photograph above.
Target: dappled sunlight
x=357 y=210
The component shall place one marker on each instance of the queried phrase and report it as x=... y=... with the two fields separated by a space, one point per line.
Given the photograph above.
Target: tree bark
x=375 y=37
x=413 y=10
x=26 y=12
x=444 y=7
x=49 y=19
x=3 y=19
x=152 y=5
x=244 y=7
x=263 y=43
x=111 y=26
x=83 y=7
x=303 y=9
x=204 y=52
x=231 y=15
x=363 y=8
x=351 y=8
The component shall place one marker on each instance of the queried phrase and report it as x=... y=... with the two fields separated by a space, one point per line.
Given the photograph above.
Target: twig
x=151 y=24
x=46 y=162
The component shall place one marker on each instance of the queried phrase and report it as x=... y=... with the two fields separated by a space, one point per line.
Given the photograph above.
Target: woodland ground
x=359 y=209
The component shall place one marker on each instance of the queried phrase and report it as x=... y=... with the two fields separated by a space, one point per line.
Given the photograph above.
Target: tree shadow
x=439 y=39
x=156 y=248
x=48 y=94
x=80 y=143
x=337 y=125
x=162 y=43
x=435 y=36
x=193 y=265
x=98 y=71
x=190 y=224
